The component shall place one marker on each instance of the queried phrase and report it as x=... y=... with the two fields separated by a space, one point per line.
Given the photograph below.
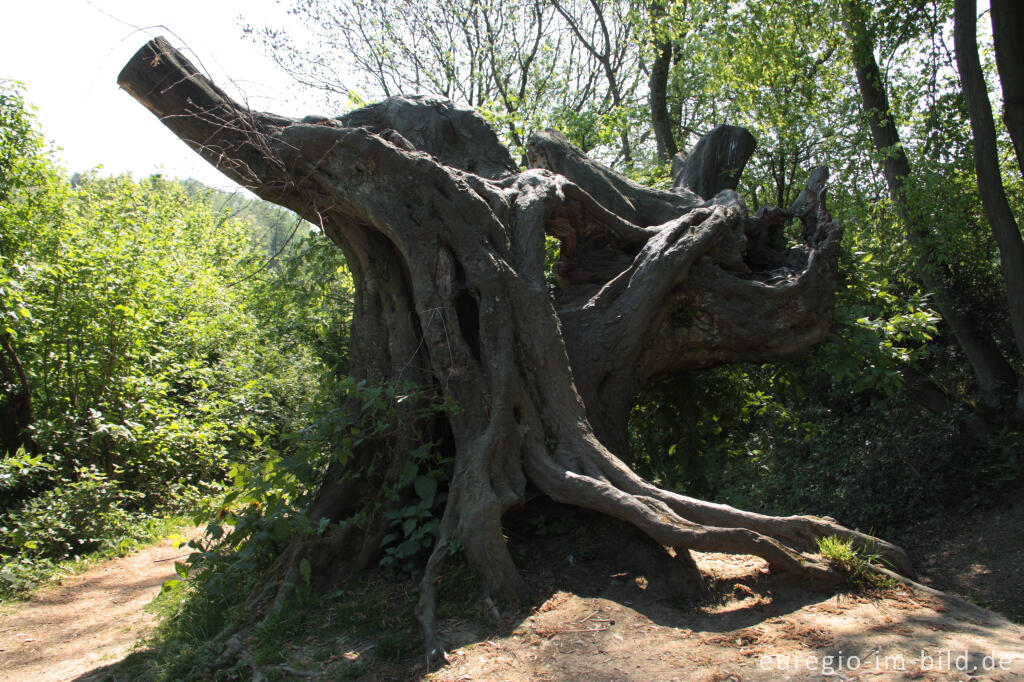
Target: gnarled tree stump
x=445 y=240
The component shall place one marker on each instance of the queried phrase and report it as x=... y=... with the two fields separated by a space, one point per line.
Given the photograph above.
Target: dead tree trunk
x=445 y=240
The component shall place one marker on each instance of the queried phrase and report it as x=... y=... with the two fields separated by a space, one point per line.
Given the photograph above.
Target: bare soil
x=87 y=620
x=979 y=556
x=760 y=628
x=606 y=619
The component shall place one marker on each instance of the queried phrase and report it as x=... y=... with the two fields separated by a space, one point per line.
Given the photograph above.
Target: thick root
x=427 y=605
x=799 y=532
x=788 y=544
x=472 y=516
x=665 y=526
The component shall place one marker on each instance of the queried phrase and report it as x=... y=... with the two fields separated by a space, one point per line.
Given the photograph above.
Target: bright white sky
x=68 y=54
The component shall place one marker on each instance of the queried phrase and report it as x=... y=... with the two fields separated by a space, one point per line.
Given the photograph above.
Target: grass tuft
x=861 y=568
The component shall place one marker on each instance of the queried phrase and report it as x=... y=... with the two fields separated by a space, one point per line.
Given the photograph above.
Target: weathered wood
x=715 y=163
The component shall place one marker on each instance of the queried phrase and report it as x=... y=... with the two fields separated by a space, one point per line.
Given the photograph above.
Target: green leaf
x=408 y=474
x=407 y=548
x=426 y=488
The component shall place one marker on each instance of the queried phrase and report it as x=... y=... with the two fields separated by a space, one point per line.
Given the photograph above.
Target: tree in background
x=30 y=189
x=991 y=369
x=577 y=65
x=986 y=155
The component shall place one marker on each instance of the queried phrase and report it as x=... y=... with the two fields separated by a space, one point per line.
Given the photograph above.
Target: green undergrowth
x=783 y=440
x=20 y=575
x=232 y=572
x=363 y=629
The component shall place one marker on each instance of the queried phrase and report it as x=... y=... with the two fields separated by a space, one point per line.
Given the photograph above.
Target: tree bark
x=16 y=410
x=986 y=162
x=447 y=256
x=661 y=121
x=993 y=373
x=1008 y=36
x=716 y=161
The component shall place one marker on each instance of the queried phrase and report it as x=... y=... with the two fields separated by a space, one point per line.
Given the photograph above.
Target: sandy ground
x=88 y=620
x=766 y=630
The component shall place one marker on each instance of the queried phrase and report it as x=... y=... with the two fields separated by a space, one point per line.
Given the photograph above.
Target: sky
x=68 y=54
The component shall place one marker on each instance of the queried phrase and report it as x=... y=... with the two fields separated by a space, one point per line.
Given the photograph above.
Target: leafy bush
x=266 y=506
x=70 y=519
x=787 y=439
x=141 y=361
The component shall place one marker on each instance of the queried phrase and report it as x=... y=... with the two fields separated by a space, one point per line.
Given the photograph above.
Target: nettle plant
x=414 y=525
x=270 y=506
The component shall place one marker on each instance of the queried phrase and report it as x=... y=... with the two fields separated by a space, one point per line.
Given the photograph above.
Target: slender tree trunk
x=1008 y=36
x=16 y=415
x=661 y=121
x=986 y=161
x=993 y=373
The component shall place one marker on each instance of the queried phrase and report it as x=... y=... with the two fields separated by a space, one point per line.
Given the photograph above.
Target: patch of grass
x=860 y=567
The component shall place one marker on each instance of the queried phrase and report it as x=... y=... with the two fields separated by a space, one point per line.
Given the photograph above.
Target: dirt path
x=89 y=620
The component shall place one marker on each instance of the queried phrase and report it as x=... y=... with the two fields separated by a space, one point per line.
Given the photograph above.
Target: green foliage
x=881 y=324
x=414 y=525
x=135 y=316
x=267 y=506
x=72 y=518
x=305 y=303
x=136 y=350
x=791 y=439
